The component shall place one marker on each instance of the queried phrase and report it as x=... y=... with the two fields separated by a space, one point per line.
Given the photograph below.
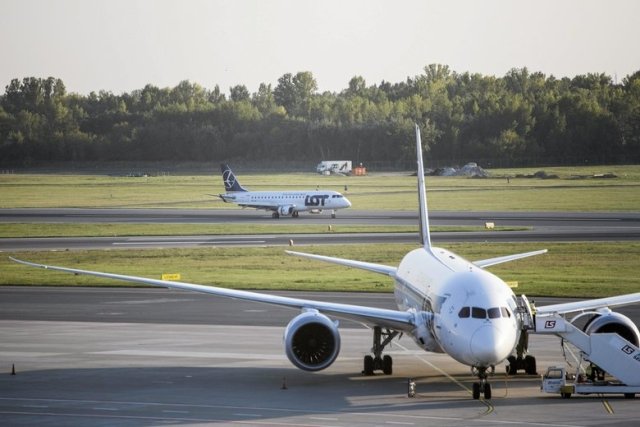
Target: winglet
x=425 y=236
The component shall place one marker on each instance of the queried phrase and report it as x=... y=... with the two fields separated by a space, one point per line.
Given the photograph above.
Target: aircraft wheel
x=530 y=365
x=295 y=214
x=487 y=391
x=629 y=395
x=512 y=367
x=368 y=365
x=565 y=395
x=476 y=391
x=387 y=365
x=275 y=215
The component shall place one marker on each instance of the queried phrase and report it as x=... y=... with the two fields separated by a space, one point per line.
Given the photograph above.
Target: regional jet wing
x=587 y=305
x=263 y=206
x=375 y=268
x=393 y=319
x=499 y=260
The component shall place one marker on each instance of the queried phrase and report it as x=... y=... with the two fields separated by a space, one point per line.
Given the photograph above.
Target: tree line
x=522 y=118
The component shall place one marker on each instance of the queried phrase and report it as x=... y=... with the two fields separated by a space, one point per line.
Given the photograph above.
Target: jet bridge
x=609 y=351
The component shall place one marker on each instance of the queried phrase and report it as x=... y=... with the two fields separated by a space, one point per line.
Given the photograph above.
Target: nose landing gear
x=482 y=387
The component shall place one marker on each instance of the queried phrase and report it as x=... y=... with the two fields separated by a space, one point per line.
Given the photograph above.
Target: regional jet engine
x=312 y=341
x=286 y=210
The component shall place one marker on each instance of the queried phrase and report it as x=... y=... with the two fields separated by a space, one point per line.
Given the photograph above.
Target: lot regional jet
x=446 y=304
x=285 y=203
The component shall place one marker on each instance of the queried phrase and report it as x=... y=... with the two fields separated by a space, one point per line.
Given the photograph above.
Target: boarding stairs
x=609 y=351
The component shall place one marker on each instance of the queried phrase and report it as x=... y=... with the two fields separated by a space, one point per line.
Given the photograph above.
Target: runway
x=541 y=226
x=593 y=220
x=190 y=369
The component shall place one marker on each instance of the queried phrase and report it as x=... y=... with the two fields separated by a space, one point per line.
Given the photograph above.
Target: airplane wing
x=263 y=206
x=375 y=268
x=499 y=260
x=587 y=305
x=231 y=198
x=393 y=319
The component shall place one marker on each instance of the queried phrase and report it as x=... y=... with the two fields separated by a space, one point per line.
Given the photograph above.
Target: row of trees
x=521 y=118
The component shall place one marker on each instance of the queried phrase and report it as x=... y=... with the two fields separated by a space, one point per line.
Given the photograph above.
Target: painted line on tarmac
x=606 y=404
x=487 y=403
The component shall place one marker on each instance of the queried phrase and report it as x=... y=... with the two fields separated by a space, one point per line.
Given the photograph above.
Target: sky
x=123 y=45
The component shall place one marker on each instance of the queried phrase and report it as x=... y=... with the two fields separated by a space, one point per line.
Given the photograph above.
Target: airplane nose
x=489 y=346
x=347 y=202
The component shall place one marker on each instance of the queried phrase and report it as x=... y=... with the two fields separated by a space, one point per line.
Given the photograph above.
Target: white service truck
x=340 y=167
x=556 y=380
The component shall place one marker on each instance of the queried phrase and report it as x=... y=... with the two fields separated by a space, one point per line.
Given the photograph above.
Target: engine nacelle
x=312 y=341
x=613 y=322
x=286 y=210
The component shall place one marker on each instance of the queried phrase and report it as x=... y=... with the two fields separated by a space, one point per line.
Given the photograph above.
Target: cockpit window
x=464 y=312
x=481 y=313
x=478 y=313
x=494 y=313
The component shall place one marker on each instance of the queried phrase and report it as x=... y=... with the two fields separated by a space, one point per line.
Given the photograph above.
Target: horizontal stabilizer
x=499 y=260
x=375 y=268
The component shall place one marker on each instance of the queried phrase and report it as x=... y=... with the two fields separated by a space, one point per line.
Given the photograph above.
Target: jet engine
x=286 y=210
x=613 y=322
x=312 y=341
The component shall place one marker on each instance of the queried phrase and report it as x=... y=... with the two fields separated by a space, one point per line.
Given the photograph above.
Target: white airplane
x=281 y=202
x=445 y=303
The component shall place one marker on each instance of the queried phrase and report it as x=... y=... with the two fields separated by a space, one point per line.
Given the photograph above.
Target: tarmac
x=72 y=373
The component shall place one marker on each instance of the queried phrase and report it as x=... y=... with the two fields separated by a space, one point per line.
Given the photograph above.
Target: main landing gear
x=276 y=214
x=527 y=363
x=520 y=361
x=377 y=362
x=483 y=387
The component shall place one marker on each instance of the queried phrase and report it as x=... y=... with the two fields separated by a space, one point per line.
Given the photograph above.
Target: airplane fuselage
x=469 y=312
x=288 y=202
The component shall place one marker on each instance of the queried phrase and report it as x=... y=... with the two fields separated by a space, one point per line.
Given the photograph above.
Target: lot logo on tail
x=229 y=179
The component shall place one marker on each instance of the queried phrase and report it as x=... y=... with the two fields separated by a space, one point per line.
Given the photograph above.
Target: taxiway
x=105 y=368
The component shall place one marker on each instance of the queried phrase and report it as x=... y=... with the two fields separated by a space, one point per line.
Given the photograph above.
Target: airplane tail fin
x=425 y=235
x=230 y=181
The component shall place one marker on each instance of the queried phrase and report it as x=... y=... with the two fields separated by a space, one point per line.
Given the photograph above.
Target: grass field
x=375 y=191
x=569 y=269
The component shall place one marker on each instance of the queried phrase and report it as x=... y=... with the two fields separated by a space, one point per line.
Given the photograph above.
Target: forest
x=521 y=119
